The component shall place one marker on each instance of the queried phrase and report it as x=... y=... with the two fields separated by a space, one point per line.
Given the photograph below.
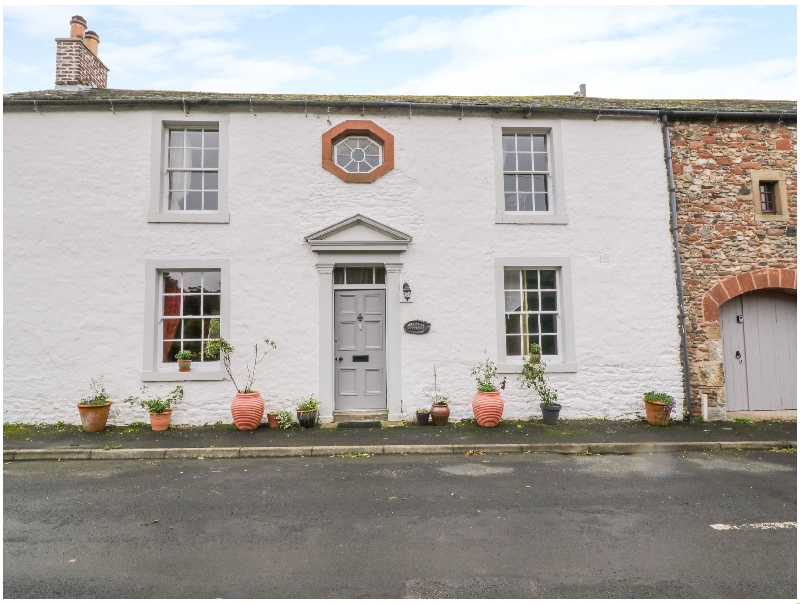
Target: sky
x=646 y=52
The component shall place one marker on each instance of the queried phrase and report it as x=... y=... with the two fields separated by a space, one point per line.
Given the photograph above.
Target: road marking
x=757 y=525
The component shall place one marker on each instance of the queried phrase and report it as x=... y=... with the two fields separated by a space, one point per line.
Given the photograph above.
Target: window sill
x=772 y=217
x=188 y=376
x=551 y=368
x=211 y=217
x=532 y=219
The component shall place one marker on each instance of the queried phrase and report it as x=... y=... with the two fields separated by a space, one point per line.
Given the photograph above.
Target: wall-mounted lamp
x=406 y=291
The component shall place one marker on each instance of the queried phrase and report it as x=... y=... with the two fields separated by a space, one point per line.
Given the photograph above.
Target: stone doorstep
x=324 y=451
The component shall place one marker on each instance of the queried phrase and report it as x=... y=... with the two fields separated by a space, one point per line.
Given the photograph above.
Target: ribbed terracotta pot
x=160 y=421
x=94 y=417
x=488 y=408
x=440 y=414
x=247 y=410
x=272 y=420
x=657 y=413
x=185 y=365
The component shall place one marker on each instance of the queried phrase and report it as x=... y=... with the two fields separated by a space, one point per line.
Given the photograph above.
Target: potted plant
x=536 y=353
x=307 y=412
x=94 y=408
x=658 y=406
x=160 y=410
x=272 y=419
x=247 y=407
x=487 y=404
x=533 y=377
x=423 y=416
x=285 y=419
x=184 y=358
x=440 y=409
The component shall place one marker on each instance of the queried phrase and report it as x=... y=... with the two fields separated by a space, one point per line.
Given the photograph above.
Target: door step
x=360 y=416
x=364 y=423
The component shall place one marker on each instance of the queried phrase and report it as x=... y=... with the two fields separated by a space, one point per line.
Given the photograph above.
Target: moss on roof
x=574 y=103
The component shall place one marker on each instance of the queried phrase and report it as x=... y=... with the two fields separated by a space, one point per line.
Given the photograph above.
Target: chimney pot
x=91 y=39
x=77 y=27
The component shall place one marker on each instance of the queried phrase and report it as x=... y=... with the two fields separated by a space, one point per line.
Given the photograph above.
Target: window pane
x=192 y=328
x=338 y=275
x=548 y=322
x=194 y=200
x=540 y=162
x=172 y=328
x=172 y=283
x=511 y=279
x=524 y=182
x=380 y=275
x=212 y=282
x=194 y=138
x=531 y=341
x=540 y=143
x=359 y=275
x=510 y=183
x=207 y=327
x=211 y=139
x=530 y=323
x=540 y=183
x=176 y=138
x=211 y=158
x=508 y=142
x=193 y=347
x=523 y=143
x=530 y=301
x=511 y=202
x=549 y=301
x=195 y=180
x=211 y=200
x=176 y=158
x=540 y=199
x=210 y=305
x=513 y=346
x=191 y=305
x=176 y=201
x=194 y=158
x=513 y=301
x=172 y=306
x=548 y=279
x=170 y=350
x=177 y=181
x=549 y=345
x=211 y=180
x=525 y=162
x=525 y=202
x=512 y=324
x=191 y=282
x=509 y=162
x=531 y=279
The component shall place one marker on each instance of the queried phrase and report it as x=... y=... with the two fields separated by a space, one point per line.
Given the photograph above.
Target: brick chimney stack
x=77 y=64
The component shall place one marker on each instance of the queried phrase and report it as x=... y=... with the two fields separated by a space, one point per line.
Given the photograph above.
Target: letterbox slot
x=361 y=358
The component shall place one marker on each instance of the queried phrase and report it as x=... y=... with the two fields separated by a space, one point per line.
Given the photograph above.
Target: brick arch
x=763 y=278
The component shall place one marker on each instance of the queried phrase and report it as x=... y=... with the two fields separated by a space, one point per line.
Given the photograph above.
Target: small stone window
x=358 y=154
x=769 y=195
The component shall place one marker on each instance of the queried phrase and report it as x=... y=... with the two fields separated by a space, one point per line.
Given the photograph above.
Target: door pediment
x=358 y=234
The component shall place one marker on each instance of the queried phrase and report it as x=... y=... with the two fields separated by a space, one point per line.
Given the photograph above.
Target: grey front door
x=360 y=350
x=759 y=345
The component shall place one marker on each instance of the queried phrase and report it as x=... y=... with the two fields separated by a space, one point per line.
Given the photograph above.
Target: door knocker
x=360 y=318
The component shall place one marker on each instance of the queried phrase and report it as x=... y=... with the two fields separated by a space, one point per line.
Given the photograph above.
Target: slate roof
x=127 y=98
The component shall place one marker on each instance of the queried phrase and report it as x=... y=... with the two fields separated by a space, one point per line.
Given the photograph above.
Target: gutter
x=673 y=210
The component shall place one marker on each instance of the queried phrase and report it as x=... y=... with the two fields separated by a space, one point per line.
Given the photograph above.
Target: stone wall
x=719 y=234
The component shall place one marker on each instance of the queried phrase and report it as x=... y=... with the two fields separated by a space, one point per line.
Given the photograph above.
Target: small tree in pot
x=487 y=404
x=533 y=377
x=94 y=408
x=160 y=410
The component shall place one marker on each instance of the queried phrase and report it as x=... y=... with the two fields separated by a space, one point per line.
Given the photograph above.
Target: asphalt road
x=495 y=526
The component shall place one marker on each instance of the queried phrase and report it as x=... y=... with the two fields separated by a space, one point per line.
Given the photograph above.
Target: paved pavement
x=537 y=525
x=466 y=433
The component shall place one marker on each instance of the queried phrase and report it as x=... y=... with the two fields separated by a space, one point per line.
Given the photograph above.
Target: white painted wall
x=77 y=192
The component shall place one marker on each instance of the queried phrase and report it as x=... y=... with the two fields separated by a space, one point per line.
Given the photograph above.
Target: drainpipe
x=673 y=209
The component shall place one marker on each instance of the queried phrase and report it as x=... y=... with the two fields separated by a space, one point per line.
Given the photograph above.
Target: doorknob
x=340 y=359
x=739 y=356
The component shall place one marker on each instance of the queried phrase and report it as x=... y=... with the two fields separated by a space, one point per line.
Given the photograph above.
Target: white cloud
x=336 y=55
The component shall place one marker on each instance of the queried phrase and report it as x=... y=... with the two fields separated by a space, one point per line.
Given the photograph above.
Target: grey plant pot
x=550 y=414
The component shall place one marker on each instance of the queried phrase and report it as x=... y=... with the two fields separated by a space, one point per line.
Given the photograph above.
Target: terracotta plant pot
x=550 y=414
x=657 y=413
x=247 y=410
x=488 y=408
x=272 y=420
x=185 y=365
x=439 y=414
x=160 y=421
x=536 y=358
x=423 y=418
x=307 y=419
x=94 y=417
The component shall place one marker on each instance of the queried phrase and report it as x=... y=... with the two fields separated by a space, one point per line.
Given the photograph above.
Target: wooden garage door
x=759 y=341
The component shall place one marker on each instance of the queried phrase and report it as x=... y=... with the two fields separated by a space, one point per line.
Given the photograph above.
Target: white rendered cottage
x=135 y=218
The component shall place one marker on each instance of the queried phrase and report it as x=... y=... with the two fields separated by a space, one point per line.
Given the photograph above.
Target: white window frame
x=557 y=211
x=565 y=361
x=378 y=144
x=153 y=369
x=162 y=123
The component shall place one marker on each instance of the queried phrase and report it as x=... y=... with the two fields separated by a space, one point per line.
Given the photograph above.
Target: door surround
x=359 y=240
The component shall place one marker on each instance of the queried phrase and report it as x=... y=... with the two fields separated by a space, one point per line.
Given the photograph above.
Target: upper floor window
x=767 y=192
x=526 y=173
x=358 y=154
x=192 y=174
x=770 y=196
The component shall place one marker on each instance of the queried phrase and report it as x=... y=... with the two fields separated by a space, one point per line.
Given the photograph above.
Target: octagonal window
x=358 y=154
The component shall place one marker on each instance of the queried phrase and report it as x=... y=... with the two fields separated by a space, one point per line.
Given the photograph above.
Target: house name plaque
x=417 y=327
